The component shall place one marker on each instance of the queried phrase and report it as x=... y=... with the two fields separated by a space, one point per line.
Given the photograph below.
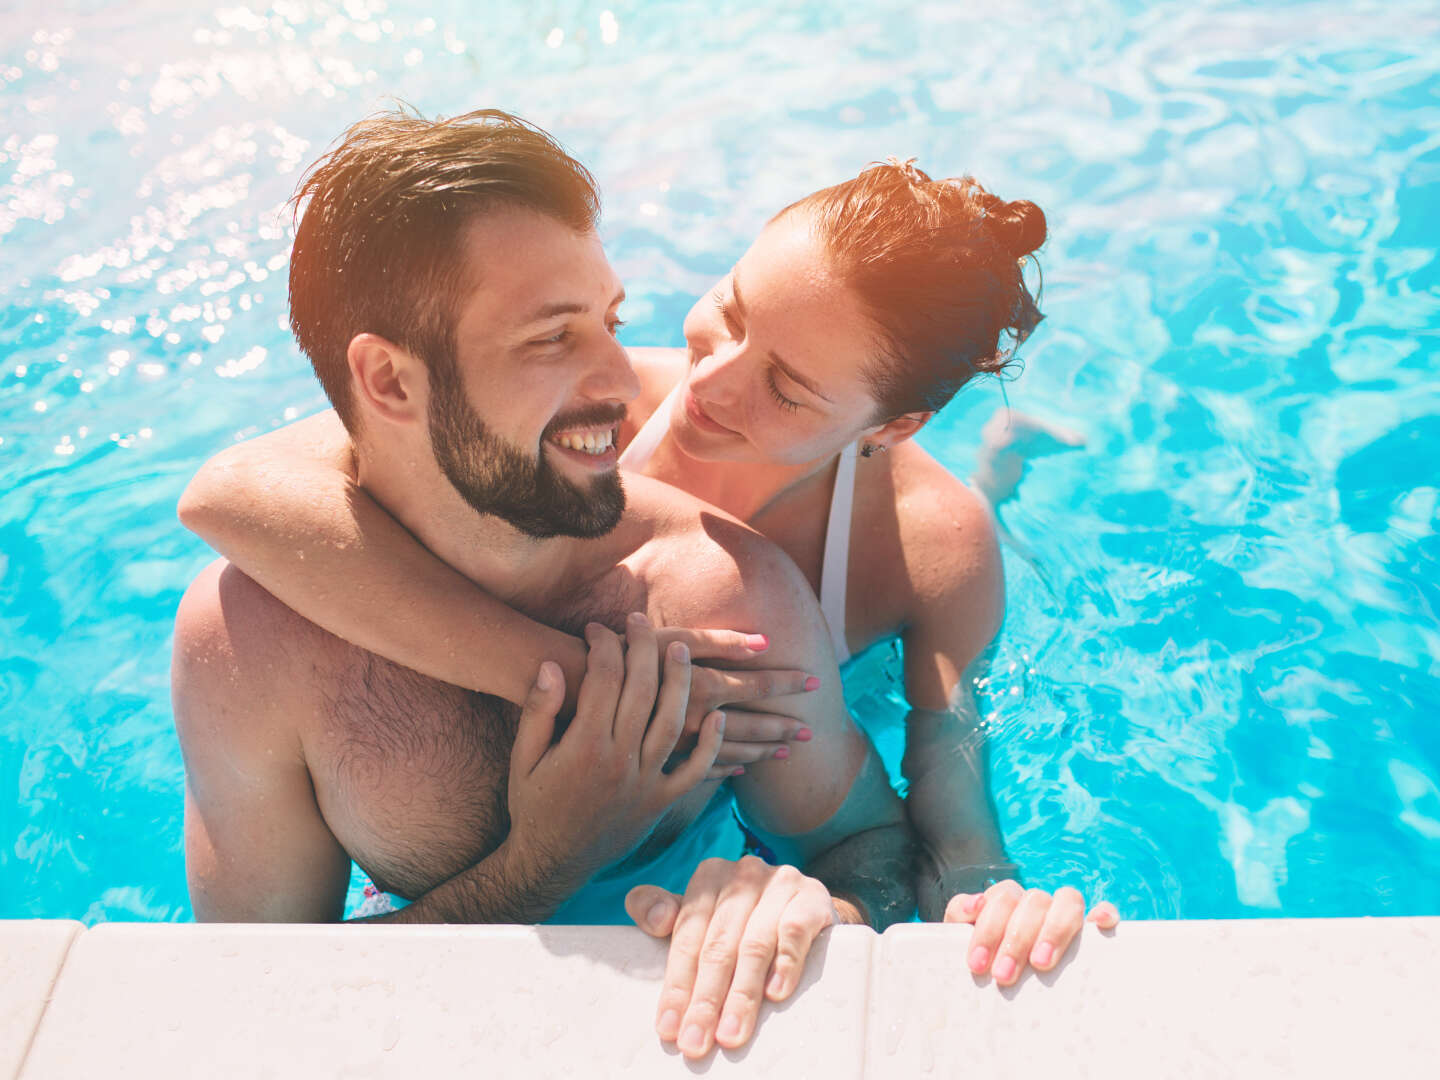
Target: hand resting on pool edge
x=1015 y=926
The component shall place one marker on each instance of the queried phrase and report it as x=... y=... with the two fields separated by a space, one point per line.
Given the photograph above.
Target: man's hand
x=581 y=803
x=751 y=734
x=1014 y=926
x=739 y=936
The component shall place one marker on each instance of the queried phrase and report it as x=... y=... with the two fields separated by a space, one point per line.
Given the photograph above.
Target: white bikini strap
x=835 y=569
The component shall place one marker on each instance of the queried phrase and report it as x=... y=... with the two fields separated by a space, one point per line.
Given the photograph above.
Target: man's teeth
x=590 y=442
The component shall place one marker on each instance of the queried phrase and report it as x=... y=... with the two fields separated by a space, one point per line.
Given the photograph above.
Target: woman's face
x=777 y=351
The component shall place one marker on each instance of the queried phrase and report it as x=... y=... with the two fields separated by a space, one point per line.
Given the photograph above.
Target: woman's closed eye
x=732 y=324
x=788 y=404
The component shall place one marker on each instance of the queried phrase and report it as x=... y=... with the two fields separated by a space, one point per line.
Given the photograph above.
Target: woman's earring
x=868 y=450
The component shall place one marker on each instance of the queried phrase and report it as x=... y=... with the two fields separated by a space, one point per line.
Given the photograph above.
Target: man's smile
x=594 y=446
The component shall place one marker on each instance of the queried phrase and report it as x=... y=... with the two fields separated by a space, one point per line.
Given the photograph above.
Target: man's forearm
x=871 y=872
x=503 y=887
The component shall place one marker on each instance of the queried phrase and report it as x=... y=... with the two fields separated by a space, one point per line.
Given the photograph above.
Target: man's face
x=524 y=423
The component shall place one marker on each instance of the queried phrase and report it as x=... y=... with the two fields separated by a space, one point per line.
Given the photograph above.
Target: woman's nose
x=716 y=377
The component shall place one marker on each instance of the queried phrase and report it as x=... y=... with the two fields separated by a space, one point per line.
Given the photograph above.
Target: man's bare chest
x=411 y=774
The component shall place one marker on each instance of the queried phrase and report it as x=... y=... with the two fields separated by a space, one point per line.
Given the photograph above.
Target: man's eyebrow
x=790 y=373
x=566 y=307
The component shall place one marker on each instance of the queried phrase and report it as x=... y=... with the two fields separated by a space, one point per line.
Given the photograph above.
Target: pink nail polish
x=812 y=683
x=1005 y=968
x=782 y=753
x=739 y=770
x=1042 y=954
x=757 y=642
x=979 y=958
x=804 y=735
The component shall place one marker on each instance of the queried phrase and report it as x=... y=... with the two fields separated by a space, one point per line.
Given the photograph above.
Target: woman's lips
x=701 y=419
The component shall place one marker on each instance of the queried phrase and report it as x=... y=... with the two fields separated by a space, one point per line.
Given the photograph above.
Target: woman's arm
x=286 y=510
x=964 y=875
x=957 y=606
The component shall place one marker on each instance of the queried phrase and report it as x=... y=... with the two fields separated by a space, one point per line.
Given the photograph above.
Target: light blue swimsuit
x=714 y=834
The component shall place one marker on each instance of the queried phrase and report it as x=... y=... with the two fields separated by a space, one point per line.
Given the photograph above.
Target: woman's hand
x=751 y=734
x=1015 y=926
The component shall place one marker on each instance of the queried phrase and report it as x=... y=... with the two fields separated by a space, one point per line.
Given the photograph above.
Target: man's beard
x=497 y=477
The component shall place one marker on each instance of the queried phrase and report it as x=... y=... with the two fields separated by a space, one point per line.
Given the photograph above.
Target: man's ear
x=894 y=432
x=389 y=381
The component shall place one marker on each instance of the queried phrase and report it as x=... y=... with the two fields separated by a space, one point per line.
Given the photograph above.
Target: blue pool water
x=1217 y=692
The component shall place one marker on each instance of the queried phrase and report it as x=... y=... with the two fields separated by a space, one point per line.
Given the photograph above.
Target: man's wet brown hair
x=937 y=265
x=380 y=219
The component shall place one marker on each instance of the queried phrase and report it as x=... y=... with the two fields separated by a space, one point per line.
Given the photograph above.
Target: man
x=449 y=287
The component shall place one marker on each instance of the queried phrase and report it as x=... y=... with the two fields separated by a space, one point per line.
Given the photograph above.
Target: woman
x=858 y=312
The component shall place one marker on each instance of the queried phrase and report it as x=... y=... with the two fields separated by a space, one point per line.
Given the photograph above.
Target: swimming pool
x=1217 y=689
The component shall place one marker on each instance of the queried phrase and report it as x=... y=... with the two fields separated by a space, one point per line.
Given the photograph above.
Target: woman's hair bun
x=1019 y=226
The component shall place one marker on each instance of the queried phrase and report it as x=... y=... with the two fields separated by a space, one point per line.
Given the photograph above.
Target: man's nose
x=610 y=375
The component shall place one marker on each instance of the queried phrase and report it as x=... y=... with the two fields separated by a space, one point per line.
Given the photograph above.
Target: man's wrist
x=535 y=870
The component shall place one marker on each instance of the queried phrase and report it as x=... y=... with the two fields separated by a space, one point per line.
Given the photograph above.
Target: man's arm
x=257 y=848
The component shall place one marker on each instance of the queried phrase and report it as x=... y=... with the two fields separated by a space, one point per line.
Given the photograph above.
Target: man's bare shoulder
x=234 y=642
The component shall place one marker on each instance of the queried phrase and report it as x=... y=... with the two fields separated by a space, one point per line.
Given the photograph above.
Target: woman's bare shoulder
x=658 y=369
x=945 y=525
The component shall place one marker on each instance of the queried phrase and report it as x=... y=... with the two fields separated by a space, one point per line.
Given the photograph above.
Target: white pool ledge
x=1315 y=998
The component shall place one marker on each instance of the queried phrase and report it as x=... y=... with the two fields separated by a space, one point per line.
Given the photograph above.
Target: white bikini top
x=834 y=569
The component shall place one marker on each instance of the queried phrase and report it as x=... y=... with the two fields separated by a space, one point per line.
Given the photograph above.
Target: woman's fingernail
x=776 y=984
x=757 y=642
x=544 y=679
x=729 y=1027
x=782 y=752
x=812 y=683
x=975 y=903
x=1005 y=968
x=804 y=735
x=657 y=914
x=1042 y=954
x=979 y=958
x=739 y=770
x=669 y=1025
